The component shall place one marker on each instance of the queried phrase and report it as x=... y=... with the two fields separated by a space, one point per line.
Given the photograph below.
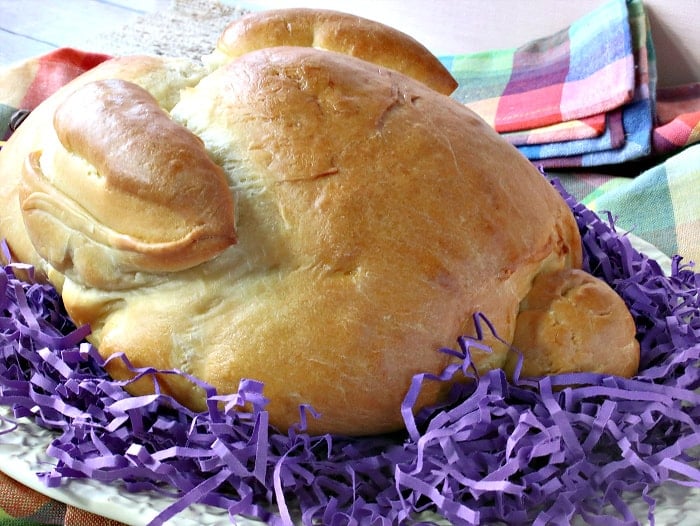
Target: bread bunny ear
x=127 y=191
x=334 y=31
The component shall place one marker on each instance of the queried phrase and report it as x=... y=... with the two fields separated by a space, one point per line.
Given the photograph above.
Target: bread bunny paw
x=573 y=322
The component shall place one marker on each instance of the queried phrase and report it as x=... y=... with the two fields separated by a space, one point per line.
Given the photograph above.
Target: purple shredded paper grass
x=499 y=450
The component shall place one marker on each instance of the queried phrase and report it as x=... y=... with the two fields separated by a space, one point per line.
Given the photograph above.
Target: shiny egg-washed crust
x=564 y=325
x=334 y=31
x=373 y=216
x=36 y=138
x=151 y=202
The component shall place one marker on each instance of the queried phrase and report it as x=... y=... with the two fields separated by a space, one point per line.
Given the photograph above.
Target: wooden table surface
x=32 y=27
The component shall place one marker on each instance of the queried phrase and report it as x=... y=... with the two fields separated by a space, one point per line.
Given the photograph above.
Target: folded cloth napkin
x=661 y=205
x=584 y=128
x=637 y=116
x=612 y=138
x=602 y=63
x=584 y=70
x=27 y=83
x=677 y=118
x=658 y=121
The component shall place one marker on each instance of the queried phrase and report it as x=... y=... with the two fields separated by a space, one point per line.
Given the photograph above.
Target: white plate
x=23 y=455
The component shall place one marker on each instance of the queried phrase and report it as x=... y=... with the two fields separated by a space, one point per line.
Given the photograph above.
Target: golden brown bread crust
x=374 y=218
x=571 y=321
x=151 y=202
x=334 y=31
x=163 y=78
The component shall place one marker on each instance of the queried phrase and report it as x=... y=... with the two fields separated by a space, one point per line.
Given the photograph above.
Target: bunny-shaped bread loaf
x=300 y=216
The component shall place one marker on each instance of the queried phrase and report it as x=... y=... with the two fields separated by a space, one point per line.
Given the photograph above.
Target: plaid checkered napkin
x=601 y=67
x=637 y=115
x=560 y=99
x=661 y=205
x=612 y=138
x=677 y=117
x=26 y=84
x=584 y=128
x=584 y=70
